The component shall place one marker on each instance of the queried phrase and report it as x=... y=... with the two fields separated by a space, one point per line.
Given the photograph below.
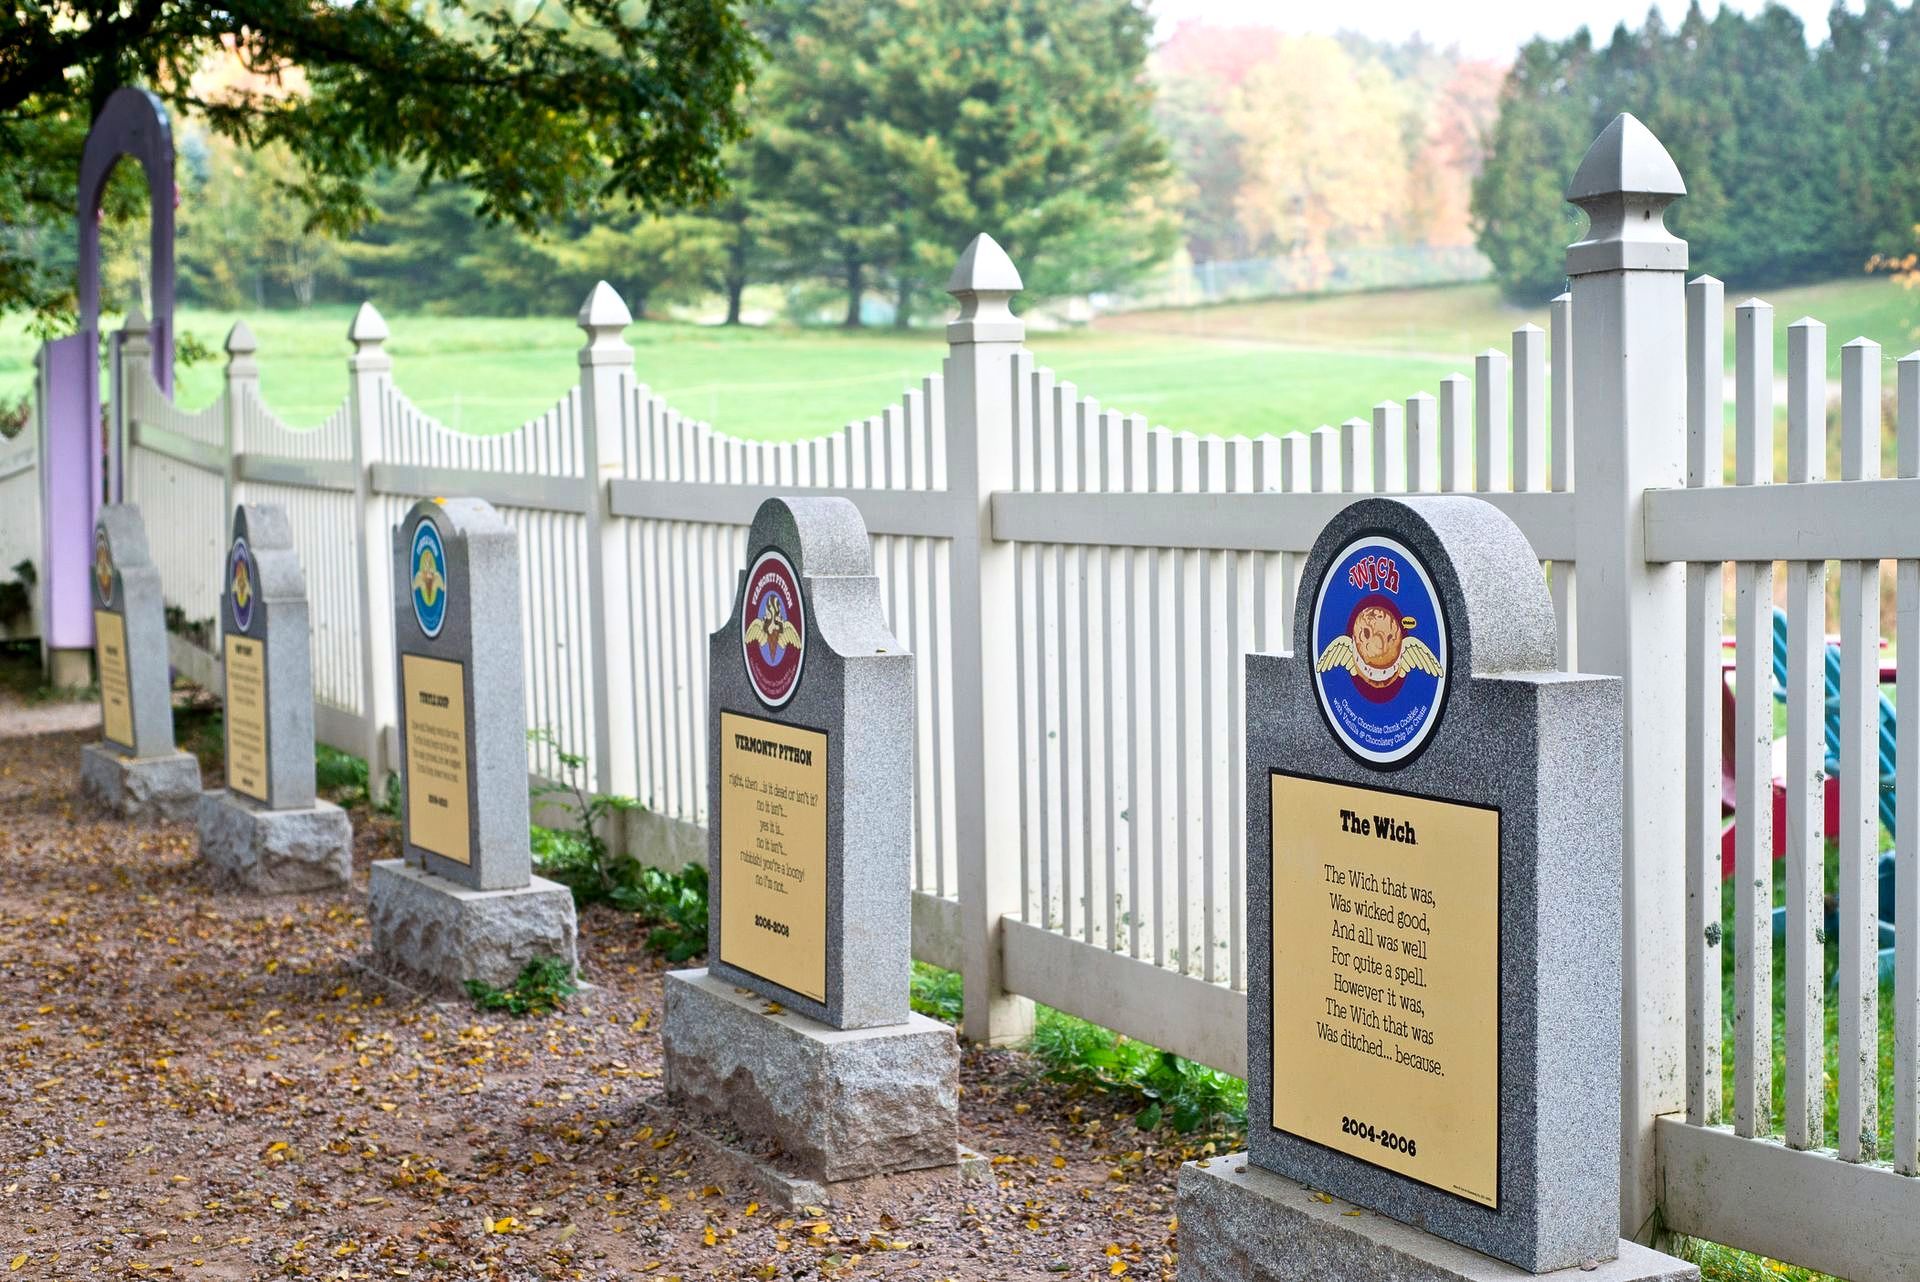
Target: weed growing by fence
x=1167 y=1090
x=544 y=985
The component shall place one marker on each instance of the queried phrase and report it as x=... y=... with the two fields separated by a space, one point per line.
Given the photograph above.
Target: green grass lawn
x=1238 y=369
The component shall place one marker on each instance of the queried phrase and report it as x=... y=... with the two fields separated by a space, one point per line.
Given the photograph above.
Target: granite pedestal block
x=275 y=852
x=1241 y=1223
x=819 y=1103
x=436 y=934
x=160 y=787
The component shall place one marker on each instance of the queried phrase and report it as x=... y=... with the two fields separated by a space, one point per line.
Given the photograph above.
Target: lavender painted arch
x=77 y=475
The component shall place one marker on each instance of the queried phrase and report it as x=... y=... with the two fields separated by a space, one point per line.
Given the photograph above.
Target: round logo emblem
x=429 y=562
x=102 y=567
x=240 y=590
x=1380 y=646
x=774 y=629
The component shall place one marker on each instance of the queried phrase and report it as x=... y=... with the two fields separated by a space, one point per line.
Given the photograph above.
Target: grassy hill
x=1242 y=368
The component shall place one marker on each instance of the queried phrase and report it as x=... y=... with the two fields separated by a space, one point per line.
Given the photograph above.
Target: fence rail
x=1080 y=588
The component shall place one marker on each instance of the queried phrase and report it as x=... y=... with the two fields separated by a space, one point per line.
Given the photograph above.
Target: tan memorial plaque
x=437 y=817
x=116 y=692
x=773 y=837
x=1386 y=980
x=246 y=716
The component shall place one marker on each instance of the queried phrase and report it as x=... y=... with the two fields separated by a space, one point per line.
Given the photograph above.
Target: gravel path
x=205 y=1085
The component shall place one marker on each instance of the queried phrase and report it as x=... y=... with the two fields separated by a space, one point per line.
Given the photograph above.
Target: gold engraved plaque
x=436 y=710
x=773 y=847
x=116 y=691
x=246 y=716
x=1386 y=980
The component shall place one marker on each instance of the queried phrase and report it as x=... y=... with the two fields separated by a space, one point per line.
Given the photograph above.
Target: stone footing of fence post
x=1629 y=418
x=981 y=344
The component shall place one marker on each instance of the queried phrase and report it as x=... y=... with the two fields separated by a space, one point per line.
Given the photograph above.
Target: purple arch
x=75 y=471
x=133 y=123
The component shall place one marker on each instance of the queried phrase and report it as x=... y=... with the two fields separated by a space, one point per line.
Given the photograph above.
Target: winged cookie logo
x=1379 y=678
x=773 y=638
x=240 y=585
x=429 y=577
x=102 y=567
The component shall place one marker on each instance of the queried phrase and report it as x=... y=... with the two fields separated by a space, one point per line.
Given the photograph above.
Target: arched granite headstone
x=267 y=830
x=135 y=770
x=1433 y=919
x=462 y=903
x=810 y=777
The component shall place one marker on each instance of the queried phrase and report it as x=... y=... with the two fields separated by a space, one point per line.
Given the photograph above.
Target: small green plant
x=579 y=857
x=936 y=993
x=340 y=775
x=544 y=985
x=677 y=905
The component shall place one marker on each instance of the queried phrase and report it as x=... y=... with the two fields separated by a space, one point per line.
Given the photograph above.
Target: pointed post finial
x=369 y=328
x=136 y=322
x=604 y=316
x=240 y=350
x=984 y=282
x=1625 y=184
x=367 y=333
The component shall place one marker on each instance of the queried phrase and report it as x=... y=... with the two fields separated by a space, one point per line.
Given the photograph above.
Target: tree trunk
x=856 y=286
x=903 y=303
x=736 y=286
x=736 y=275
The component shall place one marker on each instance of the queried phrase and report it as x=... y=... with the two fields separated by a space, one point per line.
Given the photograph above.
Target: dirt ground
x=197 y=1084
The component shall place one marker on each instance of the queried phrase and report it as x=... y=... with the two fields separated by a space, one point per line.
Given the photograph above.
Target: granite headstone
x=810 y=774
x=1433 y=916
x=134 y=770
x=462 y=902
x=266 y=830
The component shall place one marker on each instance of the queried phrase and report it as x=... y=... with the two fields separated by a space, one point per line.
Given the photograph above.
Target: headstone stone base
x=275 y=852
x=162 y=787
x=436 y=934
x=816 y=1103
x=1242 y=1223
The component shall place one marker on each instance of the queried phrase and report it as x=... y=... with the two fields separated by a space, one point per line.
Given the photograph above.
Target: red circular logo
x=773 y=628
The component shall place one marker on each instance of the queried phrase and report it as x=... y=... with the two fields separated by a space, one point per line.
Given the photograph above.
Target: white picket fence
x=1079 y=588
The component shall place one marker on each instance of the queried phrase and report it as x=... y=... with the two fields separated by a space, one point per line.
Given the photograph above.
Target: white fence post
x=981 y=345
x=1630 y=419
x=243 y=378
x=369 y=376
x=606 y=363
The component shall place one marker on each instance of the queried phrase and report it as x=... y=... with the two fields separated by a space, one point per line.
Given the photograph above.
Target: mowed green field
x=1236 y=369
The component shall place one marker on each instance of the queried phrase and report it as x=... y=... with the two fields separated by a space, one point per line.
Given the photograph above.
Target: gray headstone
x=463 y=717
x=1433 y=887
x=266 y=649
x=810 y=774
x=130 y=626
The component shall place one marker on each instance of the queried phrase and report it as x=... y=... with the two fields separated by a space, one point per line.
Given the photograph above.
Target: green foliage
x=1724 y=1264
x=936 y=993
x=677 y=905
x=539 y=112
x=580 y=855
x=1796 y=161
x=580 y=859
x=544 y=984
x=888 y=133
x=1167 y=1090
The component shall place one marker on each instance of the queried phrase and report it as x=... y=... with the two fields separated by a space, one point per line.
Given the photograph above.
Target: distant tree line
x=884 y=134
x=1799 y=163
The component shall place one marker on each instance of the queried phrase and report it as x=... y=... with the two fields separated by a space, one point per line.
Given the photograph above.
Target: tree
x=539 y=111
x=1324 y=152
x=891 y=131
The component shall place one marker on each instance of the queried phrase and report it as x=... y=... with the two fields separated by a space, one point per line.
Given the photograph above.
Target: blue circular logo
x=242 y=585
x=430 y=588
x=1380 y=650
